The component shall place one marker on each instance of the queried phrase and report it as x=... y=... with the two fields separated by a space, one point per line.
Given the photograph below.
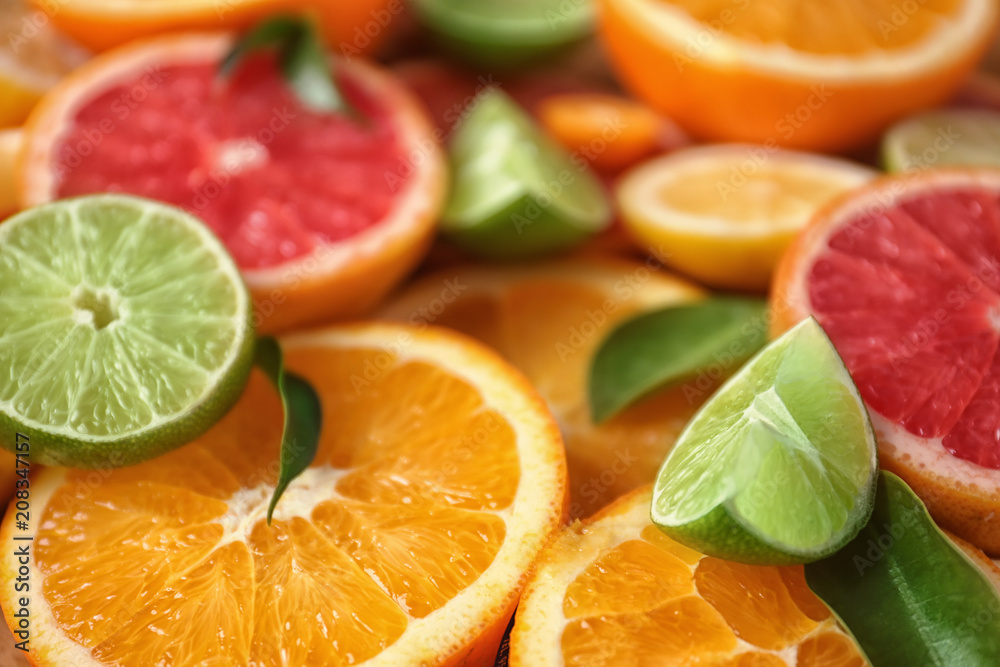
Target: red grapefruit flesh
x=279 y=183
x=904 y=275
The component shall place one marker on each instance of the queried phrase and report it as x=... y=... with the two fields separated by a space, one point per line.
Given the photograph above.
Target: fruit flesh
x=921 y=337
x=845 y=26
x=416 y=516
x=273 y=179
x=651 y=601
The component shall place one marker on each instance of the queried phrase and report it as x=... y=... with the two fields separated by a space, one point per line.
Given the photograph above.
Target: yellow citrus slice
x=724 y=214
x=439 y=478
x=617 y=592
x=548 y=320
x=33 y=57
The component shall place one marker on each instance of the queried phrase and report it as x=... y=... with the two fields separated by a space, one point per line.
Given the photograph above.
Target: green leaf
x=302 y=59
x=303 y=417
x=668 y=346
x=906 y=592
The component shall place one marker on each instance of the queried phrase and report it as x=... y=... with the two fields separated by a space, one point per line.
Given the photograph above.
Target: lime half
x=506 y=33
x=125 y=330
x=515 y=192
x=945 y=138
x=779 y=466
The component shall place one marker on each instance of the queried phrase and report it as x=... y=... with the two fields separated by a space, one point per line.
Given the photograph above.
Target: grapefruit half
x=904 y=276
x=324 y=213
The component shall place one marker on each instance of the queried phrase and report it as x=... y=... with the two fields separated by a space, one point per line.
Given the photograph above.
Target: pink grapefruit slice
x=904 y=276
x=324 y=213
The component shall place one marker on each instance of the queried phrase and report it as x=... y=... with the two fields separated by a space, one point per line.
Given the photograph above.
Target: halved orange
x=615 y=591
x=10 y=147
x=817 y=75
x=548 y=319
x=324 y=213
x=439 y=478
x=903 y=275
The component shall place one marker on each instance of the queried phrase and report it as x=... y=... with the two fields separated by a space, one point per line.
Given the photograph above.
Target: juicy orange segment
x=438 y=479
x=615 y=591
x=548 y=320
x=845 y=26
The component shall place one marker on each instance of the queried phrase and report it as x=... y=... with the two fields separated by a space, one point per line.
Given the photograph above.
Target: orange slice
x=356 y=27
x=548 y=319
x=439 y=478
x=33 y=57
x=617 y=592
x=819 y=75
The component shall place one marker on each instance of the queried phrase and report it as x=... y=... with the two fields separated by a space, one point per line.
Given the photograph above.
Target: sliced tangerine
x=439 y=478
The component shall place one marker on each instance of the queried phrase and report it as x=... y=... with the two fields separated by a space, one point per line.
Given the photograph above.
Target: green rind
x=669 y=346
x=57 y=448
x=54 y=449
x=942 y=144
x=906 y=593
x=721 y=534
x=548 y=202
x=521 y=229
x=722 y=530
x=505 y=44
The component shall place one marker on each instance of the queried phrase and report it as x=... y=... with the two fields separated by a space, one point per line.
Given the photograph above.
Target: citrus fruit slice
x=10 y=146
x=439 y=478
x=609 y=131
x=824 y=76
x=124 y=330
x=779 y=466
x=33 y=57
x=355 y=27
x=617 y=592
x=505 y=33
x=515 y=191
x=903 y=277
x=945 y=138
x=548 y=319
x=323 y=213
x=725 y=214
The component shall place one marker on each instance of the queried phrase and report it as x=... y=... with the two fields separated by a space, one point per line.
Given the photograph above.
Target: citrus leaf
x=906 y=592
x=303 y=417
x=668 y=346
x=301 y=57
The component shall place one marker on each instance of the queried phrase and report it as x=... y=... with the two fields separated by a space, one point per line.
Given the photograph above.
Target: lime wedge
x=945 y=138
x=515 y=192
x=506 y=33
x=779 y=466
x=125 y=330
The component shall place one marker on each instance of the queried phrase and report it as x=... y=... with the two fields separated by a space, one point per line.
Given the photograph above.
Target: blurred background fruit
x=10 y=147
x=33 y=57
x=506 y=33
x=548 y=319
x=943 y=138
x=352 y=28
x=823 y=76
x=724 y=214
